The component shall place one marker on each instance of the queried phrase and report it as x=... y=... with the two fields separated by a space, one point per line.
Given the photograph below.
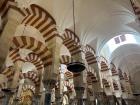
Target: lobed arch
x=39 y=18
x=36 y=46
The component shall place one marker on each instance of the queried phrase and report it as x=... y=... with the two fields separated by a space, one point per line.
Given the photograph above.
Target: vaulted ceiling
x=97 y=21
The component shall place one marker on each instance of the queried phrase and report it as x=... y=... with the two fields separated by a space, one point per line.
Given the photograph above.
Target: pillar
x=8 y=93
x=79 y=95
x=50 y=75
x=49 y=85
x=96 y=86
x=36 y=99
x=17 y=67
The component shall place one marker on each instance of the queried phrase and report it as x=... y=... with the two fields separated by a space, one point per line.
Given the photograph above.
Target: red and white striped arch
x=65 y=59
x=68 y=74
x=104 y=64
x=115 y=85
x=14 y=55
x=9 y=73
x=122 y=87
x=91 y=75
x=33 y=58
x=120 y=74
x=69 y=86
x=6 y=5
x=113 y=69
x=39 y=18
x=90 y=91
x=30 y=87
x=90 y=55
x=106 y=83
x=33 y=76
x=71 y=41
x=36 y=46
x=126 y=77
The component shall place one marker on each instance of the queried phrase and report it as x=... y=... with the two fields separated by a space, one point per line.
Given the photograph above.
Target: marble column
x=49 y=85
x=79 y=95
x=8 y=94
x=36 y=99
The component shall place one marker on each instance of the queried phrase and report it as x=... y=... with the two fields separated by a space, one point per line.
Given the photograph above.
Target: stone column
x=36 y=99
x=17 y=67
x=77 y=66
x=49 y=85
x=50 y=76
x=8 y=93
x=79 y=95
x=97 y=85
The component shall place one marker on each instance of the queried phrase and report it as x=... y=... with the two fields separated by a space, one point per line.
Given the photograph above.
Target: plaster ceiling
x=127 y=57
x=97 y=21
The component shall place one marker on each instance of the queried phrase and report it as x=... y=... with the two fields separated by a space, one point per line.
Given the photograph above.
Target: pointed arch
x=39 y=18
x=36 y=46
x=71 y=41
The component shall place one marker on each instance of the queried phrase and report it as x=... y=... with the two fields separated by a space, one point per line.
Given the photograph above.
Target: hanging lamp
x=75 y=66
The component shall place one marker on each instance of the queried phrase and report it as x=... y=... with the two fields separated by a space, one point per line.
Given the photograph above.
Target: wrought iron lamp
x=75 y=66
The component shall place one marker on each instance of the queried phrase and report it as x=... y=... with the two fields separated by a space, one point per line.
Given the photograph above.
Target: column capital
x=49 y=84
